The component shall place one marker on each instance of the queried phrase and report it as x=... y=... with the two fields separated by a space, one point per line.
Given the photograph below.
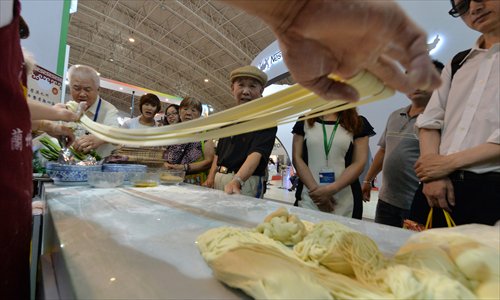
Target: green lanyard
x=328 y=145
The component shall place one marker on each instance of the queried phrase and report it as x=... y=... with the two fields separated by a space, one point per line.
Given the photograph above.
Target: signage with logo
x=44 y=86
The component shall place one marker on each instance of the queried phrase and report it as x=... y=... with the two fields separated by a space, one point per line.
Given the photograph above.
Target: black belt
x=225 y=170
x=471 y=176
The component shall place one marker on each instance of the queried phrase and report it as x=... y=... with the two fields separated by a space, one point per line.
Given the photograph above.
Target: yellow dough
x=282 y=107
x=332 y=261
x=266 y=269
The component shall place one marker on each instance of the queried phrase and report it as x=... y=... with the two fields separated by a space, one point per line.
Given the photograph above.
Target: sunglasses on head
x=459 y=8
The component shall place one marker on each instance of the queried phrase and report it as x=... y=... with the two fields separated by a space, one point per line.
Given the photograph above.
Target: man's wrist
x=454 y=162
x=239 y=180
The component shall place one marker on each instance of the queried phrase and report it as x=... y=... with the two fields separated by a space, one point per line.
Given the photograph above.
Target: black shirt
x=233 y=151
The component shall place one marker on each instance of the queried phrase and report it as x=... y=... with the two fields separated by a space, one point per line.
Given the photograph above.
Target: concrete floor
x=276 y=191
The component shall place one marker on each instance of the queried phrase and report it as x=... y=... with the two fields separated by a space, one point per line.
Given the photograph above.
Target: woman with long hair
x=329 y=154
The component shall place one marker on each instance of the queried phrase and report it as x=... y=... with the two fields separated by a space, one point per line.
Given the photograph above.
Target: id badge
x=326 y=176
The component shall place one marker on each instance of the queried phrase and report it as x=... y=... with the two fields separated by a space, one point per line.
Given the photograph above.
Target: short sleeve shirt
x=233 y=151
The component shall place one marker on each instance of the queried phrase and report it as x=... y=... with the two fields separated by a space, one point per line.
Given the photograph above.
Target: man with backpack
x=459 y=162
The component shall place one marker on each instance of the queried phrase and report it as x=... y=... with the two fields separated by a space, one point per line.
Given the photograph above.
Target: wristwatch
x=240 y=181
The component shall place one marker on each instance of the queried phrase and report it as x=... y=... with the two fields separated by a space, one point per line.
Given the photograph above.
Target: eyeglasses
x=172 y=114
x=459 y=8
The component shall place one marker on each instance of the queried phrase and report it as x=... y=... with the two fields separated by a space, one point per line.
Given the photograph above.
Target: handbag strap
x=449 y=220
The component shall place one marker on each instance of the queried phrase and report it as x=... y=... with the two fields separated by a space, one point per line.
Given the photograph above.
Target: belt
x=461 y=175
x=225 y=170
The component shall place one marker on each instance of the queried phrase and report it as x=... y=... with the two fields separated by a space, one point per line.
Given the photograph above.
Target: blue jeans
x=390 y=215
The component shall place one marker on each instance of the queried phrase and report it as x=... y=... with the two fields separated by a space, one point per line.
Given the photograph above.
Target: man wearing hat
x=240 y=161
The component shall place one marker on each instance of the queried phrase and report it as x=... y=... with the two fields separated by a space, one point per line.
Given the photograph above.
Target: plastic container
x=106 y=179
x=172 y=176
x=128 y=169
x=144 y=179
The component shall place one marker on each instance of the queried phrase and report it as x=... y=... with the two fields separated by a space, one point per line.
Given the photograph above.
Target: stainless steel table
x=139 y=243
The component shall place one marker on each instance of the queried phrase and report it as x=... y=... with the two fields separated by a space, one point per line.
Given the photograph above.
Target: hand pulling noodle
x=280 y=108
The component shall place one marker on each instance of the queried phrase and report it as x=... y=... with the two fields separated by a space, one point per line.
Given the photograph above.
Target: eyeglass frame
x=454 y=12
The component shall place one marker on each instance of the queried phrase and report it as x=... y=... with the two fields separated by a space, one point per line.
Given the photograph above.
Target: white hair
x=84 y=71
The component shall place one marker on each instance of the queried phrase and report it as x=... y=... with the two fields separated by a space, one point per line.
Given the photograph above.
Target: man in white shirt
x=459 y=160
x=84 y=83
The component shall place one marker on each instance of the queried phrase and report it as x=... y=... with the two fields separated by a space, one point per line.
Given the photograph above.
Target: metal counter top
x=139 y=243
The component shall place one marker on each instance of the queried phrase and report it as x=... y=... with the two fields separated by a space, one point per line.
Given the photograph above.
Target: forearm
x=305 y=174
x=350 y=174
x=377 y=165
x=200 y=166
x=429 y=140
x=354 y=170
x=38 y=125
x=213 y=169
x=277 y=14
x=41 y=111
x=483 y=153
x=249 y=166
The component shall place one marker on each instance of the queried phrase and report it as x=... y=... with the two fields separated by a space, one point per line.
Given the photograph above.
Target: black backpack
x=458 y=61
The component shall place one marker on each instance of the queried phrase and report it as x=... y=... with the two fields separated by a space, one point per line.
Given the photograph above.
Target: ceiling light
x=121 y=89
x=206 y=80
x=98 y=74
x=111 y=60
x=131 y=39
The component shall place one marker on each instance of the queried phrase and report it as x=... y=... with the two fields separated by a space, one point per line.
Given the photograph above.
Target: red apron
x=15 y=167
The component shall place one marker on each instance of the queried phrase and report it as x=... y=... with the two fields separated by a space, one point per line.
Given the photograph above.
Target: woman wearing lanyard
x=329 y=154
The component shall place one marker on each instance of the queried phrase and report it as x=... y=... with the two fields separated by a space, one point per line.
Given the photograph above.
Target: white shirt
x=134 y=123
x=107 y=115
x=467 y=109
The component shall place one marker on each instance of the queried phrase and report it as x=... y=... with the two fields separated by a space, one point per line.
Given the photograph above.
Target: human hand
x=62 y=113
x=323 y=198
x=233 y=187
x=173 y=166
x=318 y=38
x=433 y=166
x=209 y=183
x=366 y=189
x=440 y=193
x=56 y=130
x=87 y=143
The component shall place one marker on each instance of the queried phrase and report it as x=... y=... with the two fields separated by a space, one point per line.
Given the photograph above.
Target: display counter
x=139 y=243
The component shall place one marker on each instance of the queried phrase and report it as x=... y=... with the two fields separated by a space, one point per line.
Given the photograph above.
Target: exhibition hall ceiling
x=182 y=48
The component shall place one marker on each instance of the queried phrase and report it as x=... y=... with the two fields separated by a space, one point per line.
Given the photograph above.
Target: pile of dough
x=474 y=264
x=266 y=269
x=405 y=282
x=283 y=227
x=321 y=246
x=332 y=261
